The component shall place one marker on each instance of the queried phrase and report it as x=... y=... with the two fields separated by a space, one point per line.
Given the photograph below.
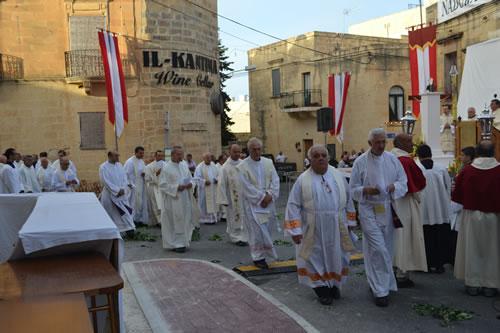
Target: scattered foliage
x=141 y=236
x=279 y=242
x=447 y=314
x=215 y=237
x=196 y=235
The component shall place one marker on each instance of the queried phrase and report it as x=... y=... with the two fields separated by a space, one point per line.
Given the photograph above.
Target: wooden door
x=308 y=143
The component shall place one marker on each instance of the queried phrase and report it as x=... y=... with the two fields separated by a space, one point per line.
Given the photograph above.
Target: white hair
x=252 y=140
x=309 y=152
x=174 y=148
x=376 y=132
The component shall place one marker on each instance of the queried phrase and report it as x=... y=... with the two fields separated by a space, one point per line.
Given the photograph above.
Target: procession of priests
x=413 y=216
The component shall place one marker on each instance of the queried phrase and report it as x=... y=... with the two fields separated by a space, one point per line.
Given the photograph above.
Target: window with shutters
x=396 y=103
x=276 y=82
x=92 y=130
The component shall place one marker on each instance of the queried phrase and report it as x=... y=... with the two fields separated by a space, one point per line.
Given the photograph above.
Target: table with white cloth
x=51 y=224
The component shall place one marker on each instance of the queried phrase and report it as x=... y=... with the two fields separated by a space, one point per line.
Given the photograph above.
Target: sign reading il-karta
x=448 y=9
x=201 y=65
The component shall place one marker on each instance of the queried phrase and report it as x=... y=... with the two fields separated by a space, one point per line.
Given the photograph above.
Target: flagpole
x=109 y=30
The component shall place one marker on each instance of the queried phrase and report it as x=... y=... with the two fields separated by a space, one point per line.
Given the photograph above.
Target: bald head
x=485 y=148
x=3 y=159
x=44 y=161
x=404 y=142
x=113 y=156
x=64 y=163
x=235 y=152
x=207 y=158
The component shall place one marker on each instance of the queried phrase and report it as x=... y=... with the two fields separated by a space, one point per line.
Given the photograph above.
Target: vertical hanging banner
x=338 y=85
x=423 y=68
x=115 y=83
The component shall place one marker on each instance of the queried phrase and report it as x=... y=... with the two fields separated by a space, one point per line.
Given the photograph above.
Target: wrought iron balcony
x=11 y=68
x=300 y=99
x=87 y=64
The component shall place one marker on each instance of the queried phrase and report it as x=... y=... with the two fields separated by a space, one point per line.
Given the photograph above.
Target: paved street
x=354 y=312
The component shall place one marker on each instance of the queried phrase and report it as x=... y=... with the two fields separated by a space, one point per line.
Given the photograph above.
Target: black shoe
x=139 y=225
x=405 y=283
x=222 y=219
x=335 y=292
x=440 y=270
x=326 y=300
x=180 y=250
x=130 y=233
x=261 y=264
x=382 y=301
x=240 y=243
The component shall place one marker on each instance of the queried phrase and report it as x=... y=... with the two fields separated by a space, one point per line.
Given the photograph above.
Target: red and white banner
x=115 y=84
x=338 y=85
x=422 y=44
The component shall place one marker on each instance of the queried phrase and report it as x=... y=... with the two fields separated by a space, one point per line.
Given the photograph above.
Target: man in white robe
x=229 y=197
x=18 y=160
x=478 y=247
x=206 y=176
x=10 y=176
x=38 y=164
x=136 y=171
x=409 y=252
x=318 y=214
x=180 y=214
x=44 y=175
x=495 y=111
x=60 y=154
x=28 y=176
x=260 y=187
x=435 y=208
x=114 y=198
x=377 y=179
x=447 y=131
x=3 y=161
x=152 y=178
x=64 y=180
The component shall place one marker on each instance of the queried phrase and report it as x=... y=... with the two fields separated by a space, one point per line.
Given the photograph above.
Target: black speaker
x=324 y=118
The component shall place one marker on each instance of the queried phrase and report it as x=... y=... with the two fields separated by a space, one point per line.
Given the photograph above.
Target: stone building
x=290 y=83
x=52 y=91
x=454 y=34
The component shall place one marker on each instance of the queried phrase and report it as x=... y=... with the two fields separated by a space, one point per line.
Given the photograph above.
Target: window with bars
x=92 y=130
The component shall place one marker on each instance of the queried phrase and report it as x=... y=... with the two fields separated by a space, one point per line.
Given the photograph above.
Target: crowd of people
x=412 y=215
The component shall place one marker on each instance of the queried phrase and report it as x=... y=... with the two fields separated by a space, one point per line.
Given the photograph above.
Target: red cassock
x=477 y=189
x=416 y=178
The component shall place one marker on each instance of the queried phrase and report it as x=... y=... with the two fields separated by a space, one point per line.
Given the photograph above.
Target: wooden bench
x=45 y=314
x=91 y=274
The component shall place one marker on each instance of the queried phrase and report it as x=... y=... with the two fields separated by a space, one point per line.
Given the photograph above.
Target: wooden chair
x=91 y=274
x=45 y=314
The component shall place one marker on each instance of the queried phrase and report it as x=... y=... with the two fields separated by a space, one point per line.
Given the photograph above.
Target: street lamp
x=408 y=123
x=486 y=121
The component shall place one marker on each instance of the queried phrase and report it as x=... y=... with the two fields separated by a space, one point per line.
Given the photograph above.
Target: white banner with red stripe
x=338 y=85
x=115 y=83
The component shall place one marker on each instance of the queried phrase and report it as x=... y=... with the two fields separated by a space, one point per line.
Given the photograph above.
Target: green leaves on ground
x=215 y=237
x=279 y=242
x=362 y=273
x=141 y=236
x=447 y=314
x=280 y=216
x=196 y=235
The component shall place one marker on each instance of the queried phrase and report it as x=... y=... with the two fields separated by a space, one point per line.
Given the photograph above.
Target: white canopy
x=480 y=77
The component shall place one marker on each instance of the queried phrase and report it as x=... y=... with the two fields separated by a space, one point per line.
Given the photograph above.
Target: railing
x=88 y=63
x=11 y=68
x=301 y=98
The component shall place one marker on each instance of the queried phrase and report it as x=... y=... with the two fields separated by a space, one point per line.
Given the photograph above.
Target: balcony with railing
x=87 y=65
x=11 y=68
x=300 y=101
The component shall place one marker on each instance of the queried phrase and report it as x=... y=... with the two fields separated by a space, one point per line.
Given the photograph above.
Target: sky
x=288 y=18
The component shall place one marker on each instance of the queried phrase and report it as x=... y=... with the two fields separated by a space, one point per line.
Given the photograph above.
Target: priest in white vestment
x=260 y=187
x=438 y=235
x=318 y=214
x=180 y=214
x=136 y=171
x=377 y=179
x=152 y=179
x=206 y=176
x=495 y=111
x=447 y=131
x=38 y=164
x=64 y=180
x=229 y=197
x=44 y=174
x=18 y=160
x=114 y=195
x=10 y=176
x=28 y=176
x=478 y=247
x=409 y=252
x=3 y=161
x=60 y=154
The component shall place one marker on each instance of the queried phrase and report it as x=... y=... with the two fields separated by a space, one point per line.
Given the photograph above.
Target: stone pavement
x=181 y=295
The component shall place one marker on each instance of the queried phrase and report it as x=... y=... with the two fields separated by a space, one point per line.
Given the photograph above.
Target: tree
x=225 y=120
